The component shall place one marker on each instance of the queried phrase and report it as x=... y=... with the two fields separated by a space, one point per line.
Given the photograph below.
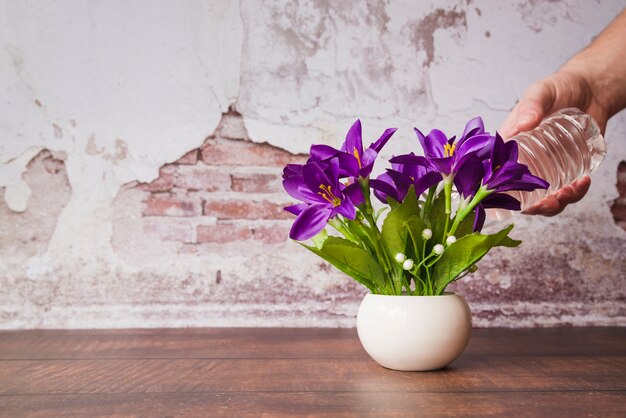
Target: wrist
x=590 y=86
x=603 y=79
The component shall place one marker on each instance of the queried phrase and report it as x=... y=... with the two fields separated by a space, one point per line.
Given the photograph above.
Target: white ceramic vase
x=414 y=333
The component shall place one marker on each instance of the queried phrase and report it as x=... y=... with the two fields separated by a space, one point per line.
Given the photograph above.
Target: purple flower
x=493 y=201
x=323 y=195
x=448 y=155
x=407 y=170
x=353 y=160
x=469 y=176
x=503 y=173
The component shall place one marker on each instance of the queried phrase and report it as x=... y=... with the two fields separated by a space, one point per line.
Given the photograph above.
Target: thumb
x=530 y=110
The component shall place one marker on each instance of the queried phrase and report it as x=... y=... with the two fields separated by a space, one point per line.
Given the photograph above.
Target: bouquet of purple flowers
x=421 y=246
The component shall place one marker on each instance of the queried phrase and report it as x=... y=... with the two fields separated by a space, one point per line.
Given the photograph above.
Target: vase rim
x=413 y=296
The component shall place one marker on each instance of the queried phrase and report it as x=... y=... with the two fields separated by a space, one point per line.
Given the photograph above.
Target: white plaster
x=154 y=78
x=38 y=266
x=17 y=192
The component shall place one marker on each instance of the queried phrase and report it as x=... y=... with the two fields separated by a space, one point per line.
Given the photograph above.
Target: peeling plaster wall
x=118 y=119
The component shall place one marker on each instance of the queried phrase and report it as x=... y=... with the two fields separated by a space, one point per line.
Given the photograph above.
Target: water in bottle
x=566 y=146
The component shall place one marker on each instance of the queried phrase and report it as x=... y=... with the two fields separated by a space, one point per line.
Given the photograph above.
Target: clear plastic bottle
x=566 y=146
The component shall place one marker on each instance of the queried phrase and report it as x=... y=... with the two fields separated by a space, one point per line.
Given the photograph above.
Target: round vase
x=414 y=333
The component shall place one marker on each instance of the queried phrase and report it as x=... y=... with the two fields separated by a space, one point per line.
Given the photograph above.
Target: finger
x=525 y=116
x=580 y=189
x=556 y=203
x=548 y=206
x=530 y=110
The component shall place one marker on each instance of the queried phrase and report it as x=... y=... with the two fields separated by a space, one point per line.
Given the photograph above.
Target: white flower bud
x=427 y=234
x=408 y=264
x=400 y=257
x=450 y=240
x=438 y=249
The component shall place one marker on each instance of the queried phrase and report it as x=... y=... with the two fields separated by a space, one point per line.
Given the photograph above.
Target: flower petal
x=527 y=182
x=354 y=193
x=383 y=188
x=310 y=222
x=401 y=181
x=410 y=159
x=380 y=142
x=369 y=156
x=477 y=144
x=297 y=189
x=314 y=176
x=443 y=164
x=509 y=171
x=322 y=152
x=296 y=209
x=512 y=149
x=501 y=201
x=354 y=142
x=469 y=175
x=499 y=154
x=479 y=218
x=292 y=170
x=427 y=181
x=348 y=165
x=473 y=127
x=347 y=209
x=434 y=144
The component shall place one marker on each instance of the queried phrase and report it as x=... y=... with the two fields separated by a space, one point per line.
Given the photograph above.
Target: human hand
x=558 y=91
x=556 y=202
x=562 y=89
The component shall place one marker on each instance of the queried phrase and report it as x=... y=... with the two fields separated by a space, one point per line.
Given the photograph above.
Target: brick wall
x=228 y=190
x=618 y=209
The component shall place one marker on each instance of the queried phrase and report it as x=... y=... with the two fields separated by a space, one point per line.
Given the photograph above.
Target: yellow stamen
x=358 y=158
x=448 y=150
x=328 y=195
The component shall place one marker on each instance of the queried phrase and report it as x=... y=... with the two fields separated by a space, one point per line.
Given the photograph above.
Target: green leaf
x=466 y=226
x=394 y=233
x=352 y=260
x=318 y=240
x=436 y=217
x=380 y=212
x=465 y=252
x=415 y=225
x=359 y=231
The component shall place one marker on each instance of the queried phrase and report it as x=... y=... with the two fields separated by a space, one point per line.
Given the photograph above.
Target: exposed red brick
x=202 y=177
x=621 y=179
x=222 y=233
x=245 y=153
x=271 y=234
x=618 y=208
x=619 y=213
x=244 y=209
x=172 y=206
x=190 y=158
x=167 y=230
x=188 y=249
x=163 y=183
x=256 y=183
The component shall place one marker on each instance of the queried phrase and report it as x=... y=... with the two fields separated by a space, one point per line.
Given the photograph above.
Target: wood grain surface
x=556 y=372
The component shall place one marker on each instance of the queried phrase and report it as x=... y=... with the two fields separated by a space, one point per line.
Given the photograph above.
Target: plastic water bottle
x=566 y=146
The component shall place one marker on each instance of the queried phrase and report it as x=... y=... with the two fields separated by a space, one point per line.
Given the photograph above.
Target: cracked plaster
x=123 y=88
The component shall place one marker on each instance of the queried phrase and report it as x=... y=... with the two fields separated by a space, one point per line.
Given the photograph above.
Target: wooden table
x=558 y=372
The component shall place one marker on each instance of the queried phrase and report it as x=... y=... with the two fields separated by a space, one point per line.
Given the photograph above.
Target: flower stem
x=461 y=214
x=447 y=188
